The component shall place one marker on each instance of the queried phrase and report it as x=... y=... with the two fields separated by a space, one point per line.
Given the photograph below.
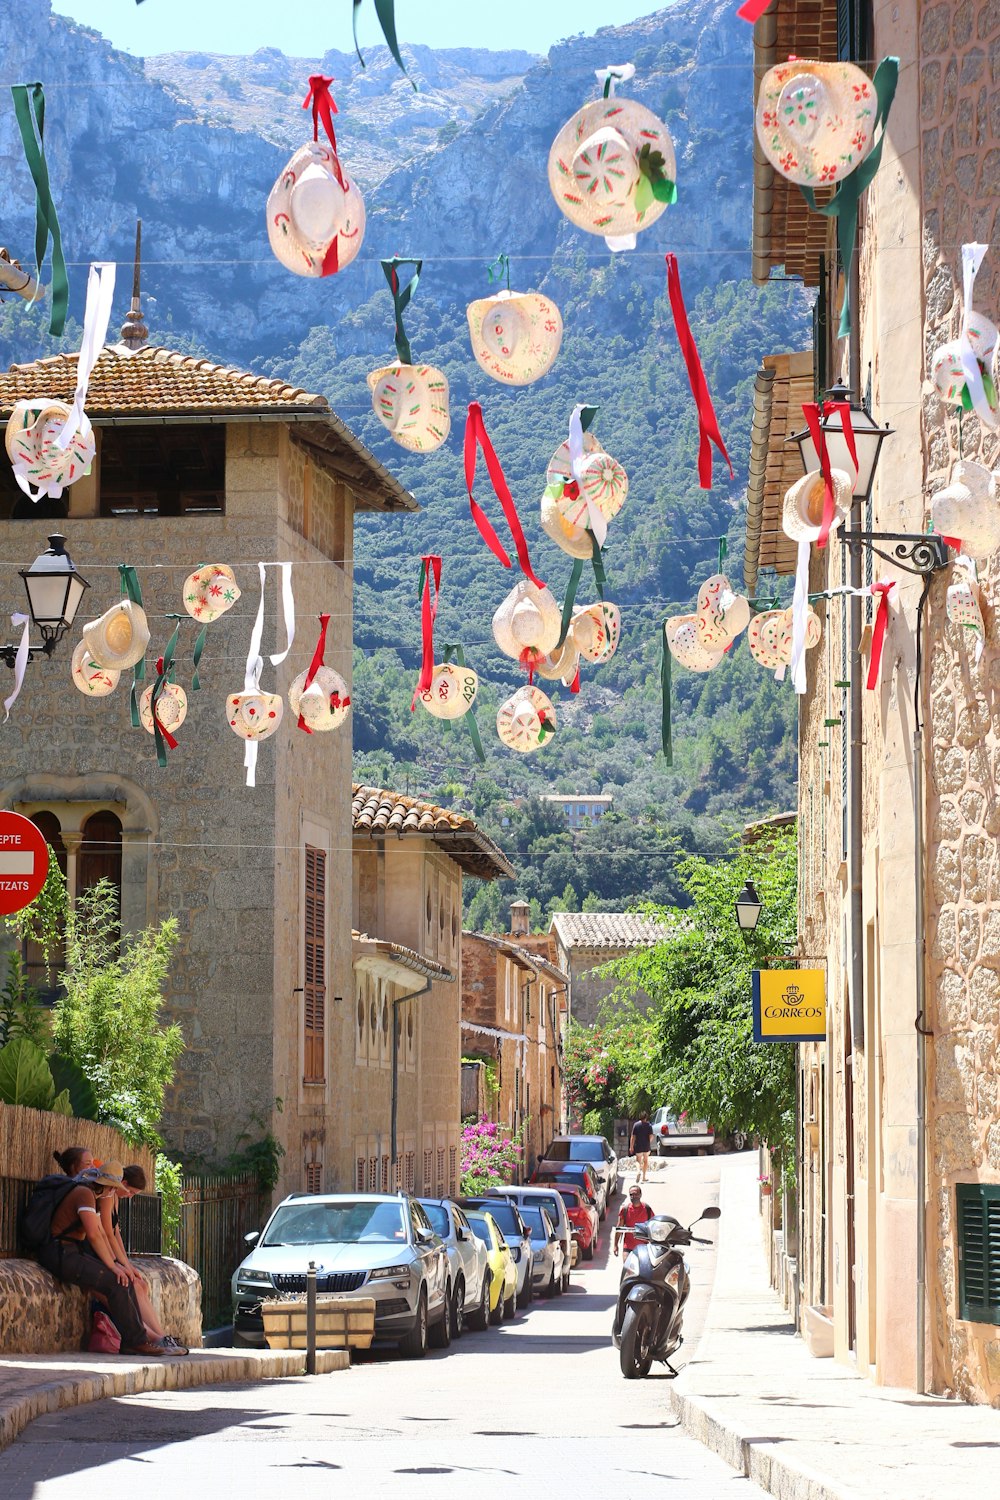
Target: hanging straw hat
x=596 y=629
x=604 y=482
x=254 y=715
x=36 y=458
x=93 y=680
x=313 y=219
x=171 y=707
x=769 y=636
x=967 y=508
x=721 y=613
x=685 y=645
x=802 y=511
x=947 y=370
x=572 y=539
x=528 y=623
x=562 y=664
x=964 y=602
x=452 y=691
x=526 y=720
x=210 y=591
x=412 y=402
x=515 y=335
x=324 y=704
x=119 y=638
x=595 y=166
x=815 y=120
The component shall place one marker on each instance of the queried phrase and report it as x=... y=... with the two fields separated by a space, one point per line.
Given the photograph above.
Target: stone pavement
x=805 y=1428
x=31 y=1384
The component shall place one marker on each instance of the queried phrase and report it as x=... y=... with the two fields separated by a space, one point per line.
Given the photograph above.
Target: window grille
x=452 y=1170
x=385 y=1175
x=314 y=990
x=359 y=1174
x=978 y=1219
x=427 y=1171
x=408 y=1172
x=314 y=1177
x=373 y=1174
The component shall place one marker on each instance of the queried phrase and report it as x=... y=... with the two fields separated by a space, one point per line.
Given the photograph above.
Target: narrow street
x=537 y=1407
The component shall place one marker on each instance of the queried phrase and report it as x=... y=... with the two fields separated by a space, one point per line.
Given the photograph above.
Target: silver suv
x=378 y=1245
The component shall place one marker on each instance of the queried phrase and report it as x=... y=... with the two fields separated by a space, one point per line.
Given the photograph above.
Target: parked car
x=549 y=1199
x=593 y=1150
x=673 y=1133
x=503 y=1276
x=469 y=1264
x=577 y=1175
x=514 y=1230
x=549 y=1264
x=378 y=1245
x=582 y=1216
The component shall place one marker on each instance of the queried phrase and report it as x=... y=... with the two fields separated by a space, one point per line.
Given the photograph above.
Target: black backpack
x=35 y=1224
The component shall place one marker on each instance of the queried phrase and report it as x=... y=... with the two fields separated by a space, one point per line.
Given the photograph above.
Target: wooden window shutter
x=978 y=1219
x=314 y=989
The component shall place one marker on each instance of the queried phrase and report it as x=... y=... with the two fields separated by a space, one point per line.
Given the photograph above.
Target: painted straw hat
x=769 y=636
x=964 y=603
x=324 y=704
x=315 y=225
x=596 y=630
x=594 y=166
x=254 y=715
x=210 y=591
x=802 y=511
x=32 y=430
x=968 y=509
x=93 y=680
x=515 y=335
x=526 y=720
x=412 y=402
x=452 y=691
x=572 y=539
x=721 y=613
x=815 y=120
x=604 y=482
x=562 y=664
x=119 y=638
x=528 y=623
x=685 y=645
x=171 y=707
x=947 y=370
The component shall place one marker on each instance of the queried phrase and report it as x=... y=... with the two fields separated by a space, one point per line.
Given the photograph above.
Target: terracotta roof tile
x=380 y=813
x=608 y=929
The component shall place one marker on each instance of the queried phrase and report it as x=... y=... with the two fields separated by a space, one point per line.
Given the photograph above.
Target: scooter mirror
x=711 y=1213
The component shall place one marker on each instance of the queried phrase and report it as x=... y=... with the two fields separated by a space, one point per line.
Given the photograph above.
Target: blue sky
x=241 y=26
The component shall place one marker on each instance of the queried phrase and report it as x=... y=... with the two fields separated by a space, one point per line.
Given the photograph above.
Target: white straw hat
x=685 y=644
x=802 y=511
x=254 y=716
x=968 y=509
x=721 y=613
x=515 y=335
x=947 y=370
x=412 y=402
x=452 y=691
x=562 y=664
x=36 y=458
x=210 y=591
x=596 y=630
x=324 y=704
x=574 y=540
x=93 y=680
x=770 y=636
x=528 y=623
x=526 y=720
x=964 y=603
x=594 y=166
x=311 y=217
x=171 y=707
x=815 y=120
x=119 y=638
x=604 y=482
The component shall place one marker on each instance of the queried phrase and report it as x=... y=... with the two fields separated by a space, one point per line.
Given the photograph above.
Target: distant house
x=579 y=809
x=584 y=940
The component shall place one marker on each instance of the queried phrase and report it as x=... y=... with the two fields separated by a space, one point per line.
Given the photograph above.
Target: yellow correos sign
x=789 y=1005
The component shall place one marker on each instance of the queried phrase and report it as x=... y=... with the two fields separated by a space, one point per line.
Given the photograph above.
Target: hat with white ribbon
x=960 y=369
x=722 y=615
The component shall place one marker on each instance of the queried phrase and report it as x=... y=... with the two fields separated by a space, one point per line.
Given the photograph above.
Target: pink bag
x=104 y=1336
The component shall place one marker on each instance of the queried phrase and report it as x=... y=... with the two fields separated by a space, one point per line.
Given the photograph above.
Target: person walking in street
x=639 y=1144
x=635 y=1211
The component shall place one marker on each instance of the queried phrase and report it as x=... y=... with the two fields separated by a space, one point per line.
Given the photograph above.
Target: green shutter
x=978 y=1215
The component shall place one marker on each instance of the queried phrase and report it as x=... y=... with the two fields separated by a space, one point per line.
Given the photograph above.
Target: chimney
x=520 y=921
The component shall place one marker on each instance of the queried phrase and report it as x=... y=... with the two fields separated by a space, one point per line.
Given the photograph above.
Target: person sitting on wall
x=133 y=1181
x=73 y=1160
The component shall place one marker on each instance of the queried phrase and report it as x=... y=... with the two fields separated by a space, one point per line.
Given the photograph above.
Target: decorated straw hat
x=969 y=509
x=324 y=704
x=947 y=370
x=171 y=707
x=596 y=166
x=596 y=630
x=412 y=402
x=452 y=691
x=526 y=720
x=685 y=646
x=769 y=636
x=119 y=638
x=562 y=664
x=964 y=603
x=94 y=681
x=36 y=458
x=721 y=613
x=315 y=216
x=603 y=482
x=210 y=591
x=815 y=120
x=515 y=335
x=572 y=539
x=528 y=623
x=254 y=715
x=802 y=511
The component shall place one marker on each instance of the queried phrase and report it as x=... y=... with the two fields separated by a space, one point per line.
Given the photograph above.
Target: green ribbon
x=597 y=559
x=576 y=573
x=385 y=10
x=499 y=269
x=723 y=552
x=167 y=675
x=989 y=390
x=654 y=186
x=843 y=206
x=199 y=647
x=401 y=300
x=760 y=606
x=129 y=582
x=29 y=109
x=455 y=653
x=587 y=415
x=666 y=738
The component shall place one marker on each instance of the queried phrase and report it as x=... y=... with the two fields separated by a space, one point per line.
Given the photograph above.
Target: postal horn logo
x=792 y=1005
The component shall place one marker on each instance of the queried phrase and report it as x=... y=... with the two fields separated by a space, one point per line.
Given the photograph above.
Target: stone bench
x=40 y=1315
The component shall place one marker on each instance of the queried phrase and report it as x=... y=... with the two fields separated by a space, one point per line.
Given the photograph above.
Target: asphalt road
x=536 y=1408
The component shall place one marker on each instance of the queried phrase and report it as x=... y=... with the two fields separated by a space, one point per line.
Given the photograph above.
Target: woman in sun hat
x=133 y=1181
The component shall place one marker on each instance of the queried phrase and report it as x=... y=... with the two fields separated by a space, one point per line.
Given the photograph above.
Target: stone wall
x=40 y=1315
x=588 y=989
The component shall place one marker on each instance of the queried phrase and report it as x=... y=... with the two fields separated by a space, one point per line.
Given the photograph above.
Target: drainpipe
x=922 y=1032
x=856 y=771
x=394 y=1105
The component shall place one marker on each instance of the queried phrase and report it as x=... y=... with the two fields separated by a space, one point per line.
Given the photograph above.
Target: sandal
x=174 y=1346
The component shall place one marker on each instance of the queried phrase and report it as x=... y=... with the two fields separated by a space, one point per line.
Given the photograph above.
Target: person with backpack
x=62 y=1226
x=634 y=1212
x=74 y=1159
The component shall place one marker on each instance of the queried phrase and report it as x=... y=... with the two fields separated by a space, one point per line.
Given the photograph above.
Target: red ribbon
x=708 y=424
x=950 y=541
x=430 y=588
x=317 y=661
x=574 y=686
x=878 y=632
x=752 y=10
x=154 y=700
x=476 y=437
x=324 y=108
x=811 y=412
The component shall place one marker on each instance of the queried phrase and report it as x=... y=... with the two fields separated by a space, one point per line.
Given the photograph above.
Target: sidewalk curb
x=70 y=1388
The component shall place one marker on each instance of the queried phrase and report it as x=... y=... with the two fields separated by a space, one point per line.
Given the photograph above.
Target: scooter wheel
x=636 y=1348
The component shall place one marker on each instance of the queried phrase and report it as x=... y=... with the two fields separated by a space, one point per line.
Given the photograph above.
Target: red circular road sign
x=24 y=862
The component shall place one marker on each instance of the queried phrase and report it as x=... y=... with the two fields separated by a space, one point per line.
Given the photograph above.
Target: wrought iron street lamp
x=868 y=440
x=55 y=591
x=748 y=907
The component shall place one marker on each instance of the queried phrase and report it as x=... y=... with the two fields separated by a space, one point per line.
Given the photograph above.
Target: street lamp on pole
x=55 y=592
x=748 y=907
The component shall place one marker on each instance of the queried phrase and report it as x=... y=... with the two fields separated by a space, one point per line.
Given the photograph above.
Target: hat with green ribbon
x=515 y=335
x=410 y=400
x=526 y=720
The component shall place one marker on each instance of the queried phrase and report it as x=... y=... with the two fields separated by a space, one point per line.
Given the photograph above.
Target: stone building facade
x=899 y=1124
x=586 y=940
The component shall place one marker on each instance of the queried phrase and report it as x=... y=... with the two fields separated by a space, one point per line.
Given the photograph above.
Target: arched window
x=100 y=855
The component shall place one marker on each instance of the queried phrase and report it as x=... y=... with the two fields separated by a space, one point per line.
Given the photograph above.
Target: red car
x=582 y=1217
x=573 y=1174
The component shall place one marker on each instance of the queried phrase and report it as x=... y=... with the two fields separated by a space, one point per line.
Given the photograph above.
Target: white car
x=469 y=1261
x=680 y=1133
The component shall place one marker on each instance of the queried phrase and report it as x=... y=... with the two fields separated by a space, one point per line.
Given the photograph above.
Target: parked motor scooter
x=654 y=1289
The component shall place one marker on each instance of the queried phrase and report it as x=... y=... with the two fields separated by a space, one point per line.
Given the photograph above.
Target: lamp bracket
x=8 y=653
x=920 y=553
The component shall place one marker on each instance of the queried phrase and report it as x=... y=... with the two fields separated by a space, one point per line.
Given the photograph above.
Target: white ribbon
x=617 y=242
x=255 y=661
x=96 y=317
x=20 y=662
x=616 y=73
x=972 y=259
x=800 y=617
x=595 y=516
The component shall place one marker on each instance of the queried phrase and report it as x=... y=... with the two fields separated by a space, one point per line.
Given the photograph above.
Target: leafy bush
x=491 y=1155
x=169 y=1185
